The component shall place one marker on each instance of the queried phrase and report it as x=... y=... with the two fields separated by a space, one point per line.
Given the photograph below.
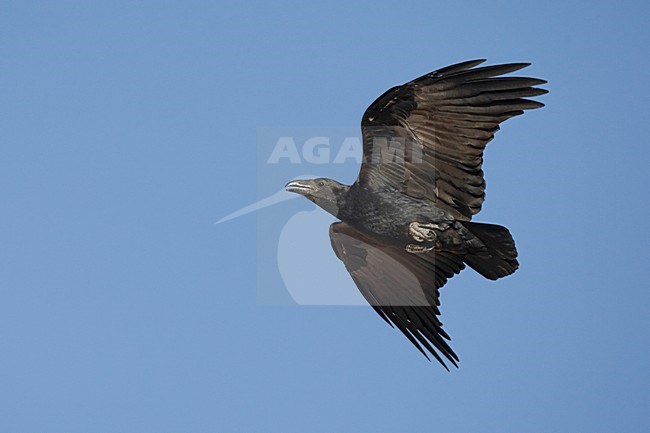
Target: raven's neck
x=337 y=205
x=344 y=203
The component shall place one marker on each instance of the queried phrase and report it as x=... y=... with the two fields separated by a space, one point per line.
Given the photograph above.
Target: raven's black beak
x=303 y=187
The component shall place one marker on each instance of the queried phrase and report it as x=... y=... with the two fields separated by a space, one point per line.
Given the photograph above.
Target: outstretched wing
x=403 y=288
x=426 y=138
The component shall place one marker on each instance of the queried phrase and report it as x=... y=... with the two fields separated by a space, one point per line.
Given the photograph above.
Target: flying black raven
x=406 y=224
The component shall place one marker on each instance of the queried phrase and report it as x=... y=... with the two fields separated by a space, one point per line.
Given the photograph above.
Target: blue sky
x=129 y=128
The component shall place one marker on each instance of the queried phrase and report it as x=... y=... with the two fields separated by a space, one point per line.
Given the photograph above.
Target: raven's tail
x=500 y=258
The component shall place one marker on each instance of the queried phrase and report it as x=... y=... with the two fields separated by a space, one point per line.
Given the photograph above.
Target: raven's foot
x=423 y=232
x=417 y=249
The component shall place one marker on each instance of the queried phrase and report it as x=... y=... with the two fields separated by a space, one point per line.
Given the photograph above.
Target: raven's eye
x=321 y=183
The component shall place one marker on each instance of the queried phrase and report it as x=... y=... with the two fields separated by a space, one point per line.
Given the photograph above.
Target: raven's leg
x=424 y=232
x=417 y=249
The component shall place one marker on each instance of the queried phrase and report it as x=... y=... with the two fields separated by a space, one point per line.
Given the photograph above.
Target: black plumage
x=406 y=220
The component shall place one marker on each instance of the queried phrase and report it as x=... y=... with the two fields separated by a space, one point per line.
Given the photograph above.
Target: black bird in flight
x=406 y=226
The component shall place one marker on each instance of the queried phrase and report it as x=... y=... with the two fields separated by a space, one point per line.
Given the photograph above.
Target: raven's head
x=326 y=193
